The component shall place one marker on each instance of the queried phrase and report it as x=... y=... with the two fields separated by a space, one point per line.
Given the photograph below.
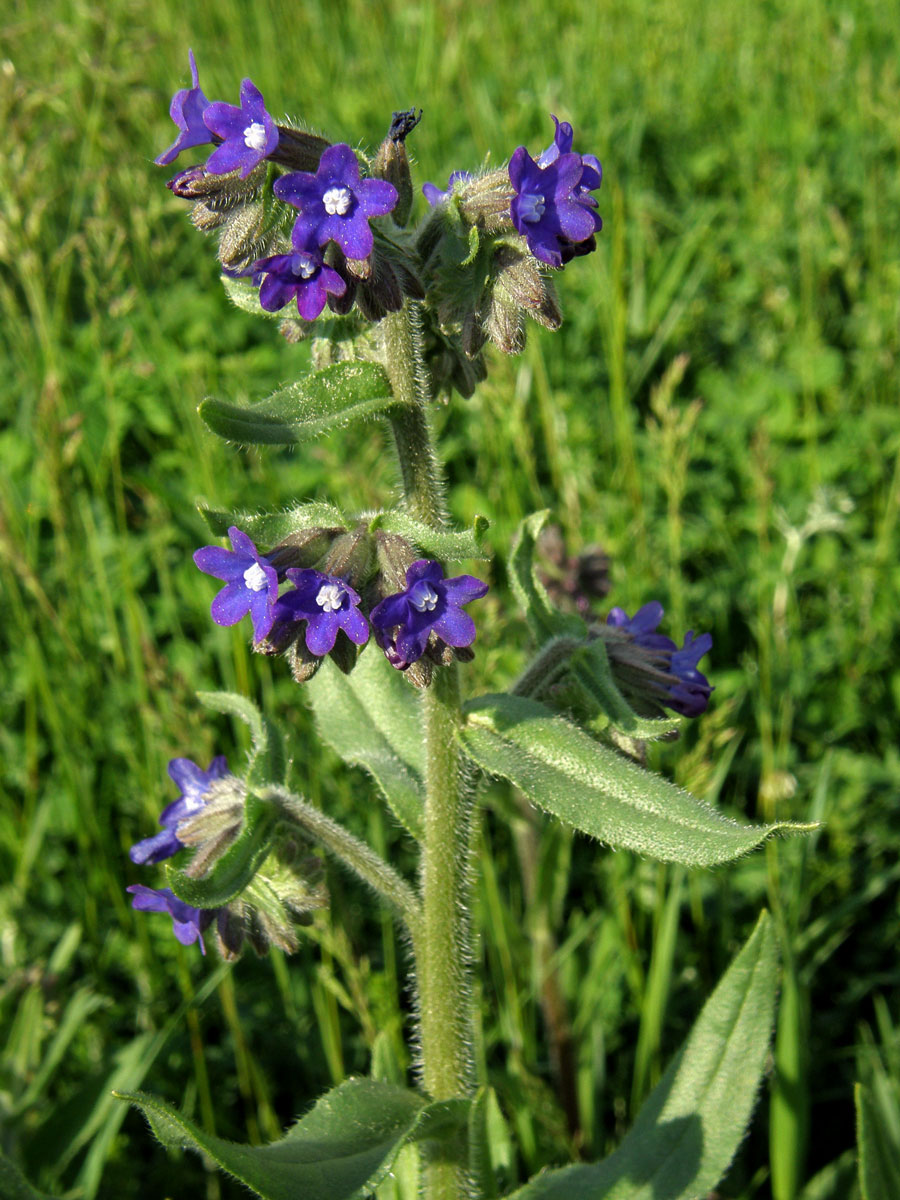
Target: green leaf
x=268 y=759
x=267 y=529
x=597 y=790
x=686 y=1135
x=589 y=668
x=340 y=1150
x=544 y=620
x=437 y=543
x=245 y=296
x=237 y=866
x=877 y=1148
x=372 y=718
x=320 y=403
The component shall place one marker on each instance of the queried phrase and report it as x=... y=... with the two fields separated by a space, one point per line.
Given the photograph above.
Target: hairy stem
x=354 y=854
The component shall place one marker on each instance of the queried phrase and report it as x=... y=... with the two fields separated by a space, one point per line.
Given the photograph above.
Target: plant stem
x=353 y=853
x=442 y=949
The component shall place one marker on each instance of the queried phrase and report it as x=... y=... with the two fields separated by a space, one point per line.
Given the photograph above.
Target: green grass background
x=719 y=412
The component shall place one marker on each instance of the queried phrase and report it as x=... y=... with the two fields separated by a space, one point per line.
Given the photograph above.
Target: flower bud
x=298 y=150
x=484 y=201
x=303 y=548
x=352 y=556
x=213 y=829
x=519 y=274
x=392 y=162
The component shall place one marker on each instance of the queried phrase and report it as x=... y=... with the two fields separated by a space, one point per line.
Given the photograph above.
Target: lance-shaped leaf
x=597 y=790
x=877 y=1143
x=268 y=760
x=340 y=1150
x=235 y=869
x=268 y=529
x=372 y=718
x=544 y=620
x=446 y=545
x=321 y=402
x=687 y=1133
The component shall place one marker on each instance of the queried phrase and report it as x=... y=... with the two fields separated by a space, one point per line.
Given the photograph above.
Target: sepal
x=269 y=529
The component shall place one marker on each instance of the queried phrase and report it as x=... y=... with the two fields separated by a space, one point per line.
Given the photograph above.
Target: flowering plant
x=398 y=314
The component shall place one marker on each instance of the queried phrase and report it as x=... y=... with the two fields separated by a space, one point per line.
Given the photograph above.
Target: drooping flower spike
x=248 y=133
x=186 y=110
x=194 y=784
x=303 y=275
x=688 y=690
x=435 y=196
x=251 y=583
x=327 y=603
x=188 y=923
x=335 y=204
x=429 y=604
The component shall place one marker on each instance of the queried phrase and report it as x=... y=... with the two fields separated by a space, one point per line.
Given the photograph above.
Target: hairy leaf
x=317 y=404
x=267 y=529
x=437 y=543
x=544 y=620
x=372 y=718
x=877 y=1148
x=340 y=1150
x=597 y=790
x=687 y=1133
x=268 y=759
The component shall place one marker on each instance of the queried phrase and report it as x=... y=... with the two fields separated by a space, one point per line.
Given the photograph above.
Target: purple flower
x=327 y=604
x=251 y=583
x=194 y=784
x=186 y=110
x=435 y=196
x=248 y=133
x=188 y=923
x=335 y=204
x=592 y=172
x=302 y=274
x=552 y=206
x=689 y=690
x=430 y=604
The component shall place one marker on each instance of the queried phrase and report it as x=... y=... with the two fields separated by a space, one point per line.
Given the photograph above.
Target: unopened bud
x=302 y=548
x=298 y=150
x=351 y=556
x=503 y=322
x=484 y=201
x=394 y=556
x=392 y=162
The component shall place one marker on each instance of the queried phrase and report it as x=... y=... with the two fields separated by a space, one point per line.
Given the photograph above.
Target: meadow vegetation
x=718 y=413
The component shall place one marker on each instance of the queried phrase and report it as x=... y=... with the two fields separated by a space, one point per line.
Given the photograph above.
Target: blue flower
x=248 y=133
x=335 y=205
x=435 y=196
x=303 y=275
x=687 y=689
x=188 y=923
x=552 y=207
x=430 y=604
x=327 y=603
x=251 y=583
x=186 y=110
x=194 y=784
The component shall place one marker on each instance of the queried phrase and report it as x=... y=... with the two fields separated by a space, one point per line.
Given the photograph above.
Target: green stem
x=442 y=949
x=410 y=424
x=353 y=853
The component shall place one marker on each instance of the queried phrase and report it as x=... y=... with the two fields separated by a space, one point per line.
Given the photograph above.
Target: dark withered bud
x=392 y=162
x=344 y=653
x=230 y=933
x=473 y=336
x=302 y=548
x=394 y=556
x=380 y=293
x=360 y=268
x=352 y=557
x=298 y=150
x=569 y=250
x=301 y=660
x=279 y=639
x=294 y=330
x=466 y=374
x=335 y=258
x=484 y=201
x=419 y=673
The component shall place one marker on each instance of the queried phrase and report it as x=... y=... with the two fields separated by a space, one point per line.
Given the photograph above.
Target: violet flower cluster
x=195 y=784
x=689 y=690
x=403 y=621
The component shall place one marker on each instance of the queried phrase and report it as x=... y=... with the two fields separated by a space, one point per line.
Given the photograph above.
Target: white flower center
x=255 y=578
x=303 y=265
x=531 y=208
x=330 y=597
x=423 y=597
x=337 y=200
x=255 y=136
